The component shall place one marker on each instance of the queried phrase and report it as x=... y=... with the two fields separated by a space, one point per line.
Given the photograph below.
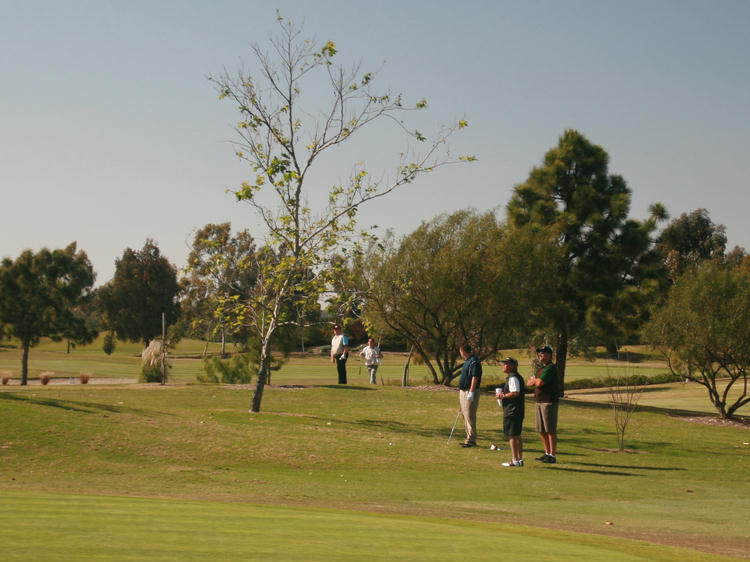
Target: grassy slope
x=376 y=449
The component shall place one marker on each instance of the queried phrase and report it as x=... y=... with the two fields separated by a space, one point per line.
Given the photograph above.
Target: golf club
x=454 y=426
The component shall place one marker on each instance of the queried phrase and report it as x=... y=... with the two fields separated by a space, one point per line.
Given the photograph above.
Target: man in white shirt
x=339 y=352
x=372 y=357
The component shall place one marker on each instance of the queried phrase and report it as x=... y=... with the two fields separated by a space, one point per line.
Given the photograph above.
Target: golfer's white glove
x=470 y=396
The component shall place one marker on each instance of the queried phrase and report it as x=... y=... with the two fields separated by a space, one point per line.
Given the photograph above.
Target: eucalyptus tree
x=219 y=272
x=40 y=294
x=296 y=106
x=458 y=278
x=143 y=288
x=702 y=329
x=689 y=240
x=573 y=194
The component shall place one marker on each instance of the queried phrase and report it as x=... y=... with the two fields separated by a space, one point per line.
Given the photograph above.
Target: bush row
x=630 y=380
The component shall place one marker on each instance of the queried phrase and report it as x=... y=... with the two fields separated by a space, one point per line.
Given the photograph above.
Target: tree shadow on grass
x=582 y=439
x=71 y=406
x=600 y=468
x=589 y=471
x=346 y=387
x=400 y=427
x=630 y=467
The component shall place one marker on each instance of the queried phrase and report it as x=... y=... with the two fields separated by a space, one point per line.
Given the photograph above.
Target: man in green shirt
x=546 y=392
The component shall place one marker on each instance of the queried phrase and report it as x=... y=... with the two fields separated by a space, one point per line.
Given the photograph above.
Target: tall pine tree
x=604 y=257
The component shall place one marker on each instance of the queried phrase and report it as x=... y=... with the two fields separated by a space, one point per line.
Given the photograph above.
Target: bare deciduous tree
x=282 y=133
x=624 y=396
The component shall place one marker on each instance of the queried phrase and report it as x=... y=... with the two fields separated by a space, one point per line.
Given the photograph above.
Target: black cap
x=545 y=349
x=510 y=361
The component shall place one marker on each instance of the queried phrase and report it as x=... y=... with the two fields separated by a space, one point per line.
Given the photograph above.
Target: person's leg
x=545 y=442
x=552 y=438
x=341 y=368
x=551 y=424
x=473 y=407
x=515 y=447
x=373 y=370
x=540 y=428
x=465 y=413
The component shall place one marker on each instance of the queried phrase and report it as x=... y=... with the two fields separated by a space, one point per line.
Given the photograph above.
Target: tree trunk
x=262 y=370
x=560 y=358
x=405 y=375
x=163 y=359
x=25 y=363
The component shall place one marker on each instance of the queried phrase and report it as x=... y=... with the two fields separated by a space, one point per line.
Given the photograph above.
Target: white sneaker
x=513 y=463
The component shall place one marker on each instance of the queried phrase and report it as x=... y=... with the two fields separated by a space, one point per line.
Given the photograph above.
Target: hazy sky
x=110 y=132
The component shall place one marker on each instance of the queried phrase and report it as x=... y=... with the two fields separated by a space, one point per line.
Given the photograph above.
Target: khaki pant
x=469 y=411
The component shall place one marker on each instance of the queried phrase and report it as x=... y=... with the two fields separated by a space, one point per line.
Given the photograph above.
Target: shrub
x=45 y=377
x=109 y=343
x=602 y=382
x=6 y=379
x=150 y=373
x=235 y=370
x=84 y=377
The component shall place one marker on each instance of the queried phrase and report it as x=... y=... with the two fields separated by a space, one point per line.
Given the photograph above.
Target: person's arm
x=512 y=393
x=472 y=388
x=344 y=353
x=535 y=381
x=474 y=383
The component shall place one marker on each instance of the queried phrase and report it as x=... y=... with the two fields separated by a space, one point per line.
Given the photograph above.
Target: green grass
x=103 y=528
x=183 y=471
x=297 y=369
x=376 y=458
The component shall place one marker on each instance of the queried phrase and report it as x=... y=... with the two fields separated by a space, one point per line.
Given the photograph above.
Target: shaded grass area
x=377 y=449
x=115 y=528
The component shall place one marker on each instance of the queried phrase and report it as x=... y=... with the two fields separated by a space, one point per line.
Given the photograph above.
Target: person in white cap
x=510 y=397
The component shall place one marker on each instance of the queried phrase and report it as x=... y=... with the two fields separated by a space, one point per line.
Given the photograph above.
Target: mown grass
x=359 y=450
x=103 y=528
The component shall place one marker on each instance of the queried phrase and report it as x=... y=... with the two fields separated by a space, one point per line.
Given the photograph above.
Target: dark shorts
x=546 y=417
x=512 y=426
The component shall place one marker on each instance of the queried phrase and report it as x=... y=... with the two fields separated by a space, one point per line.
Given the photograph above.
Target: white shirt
x=338 y=343
x=371 y=355
x=513 y=385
